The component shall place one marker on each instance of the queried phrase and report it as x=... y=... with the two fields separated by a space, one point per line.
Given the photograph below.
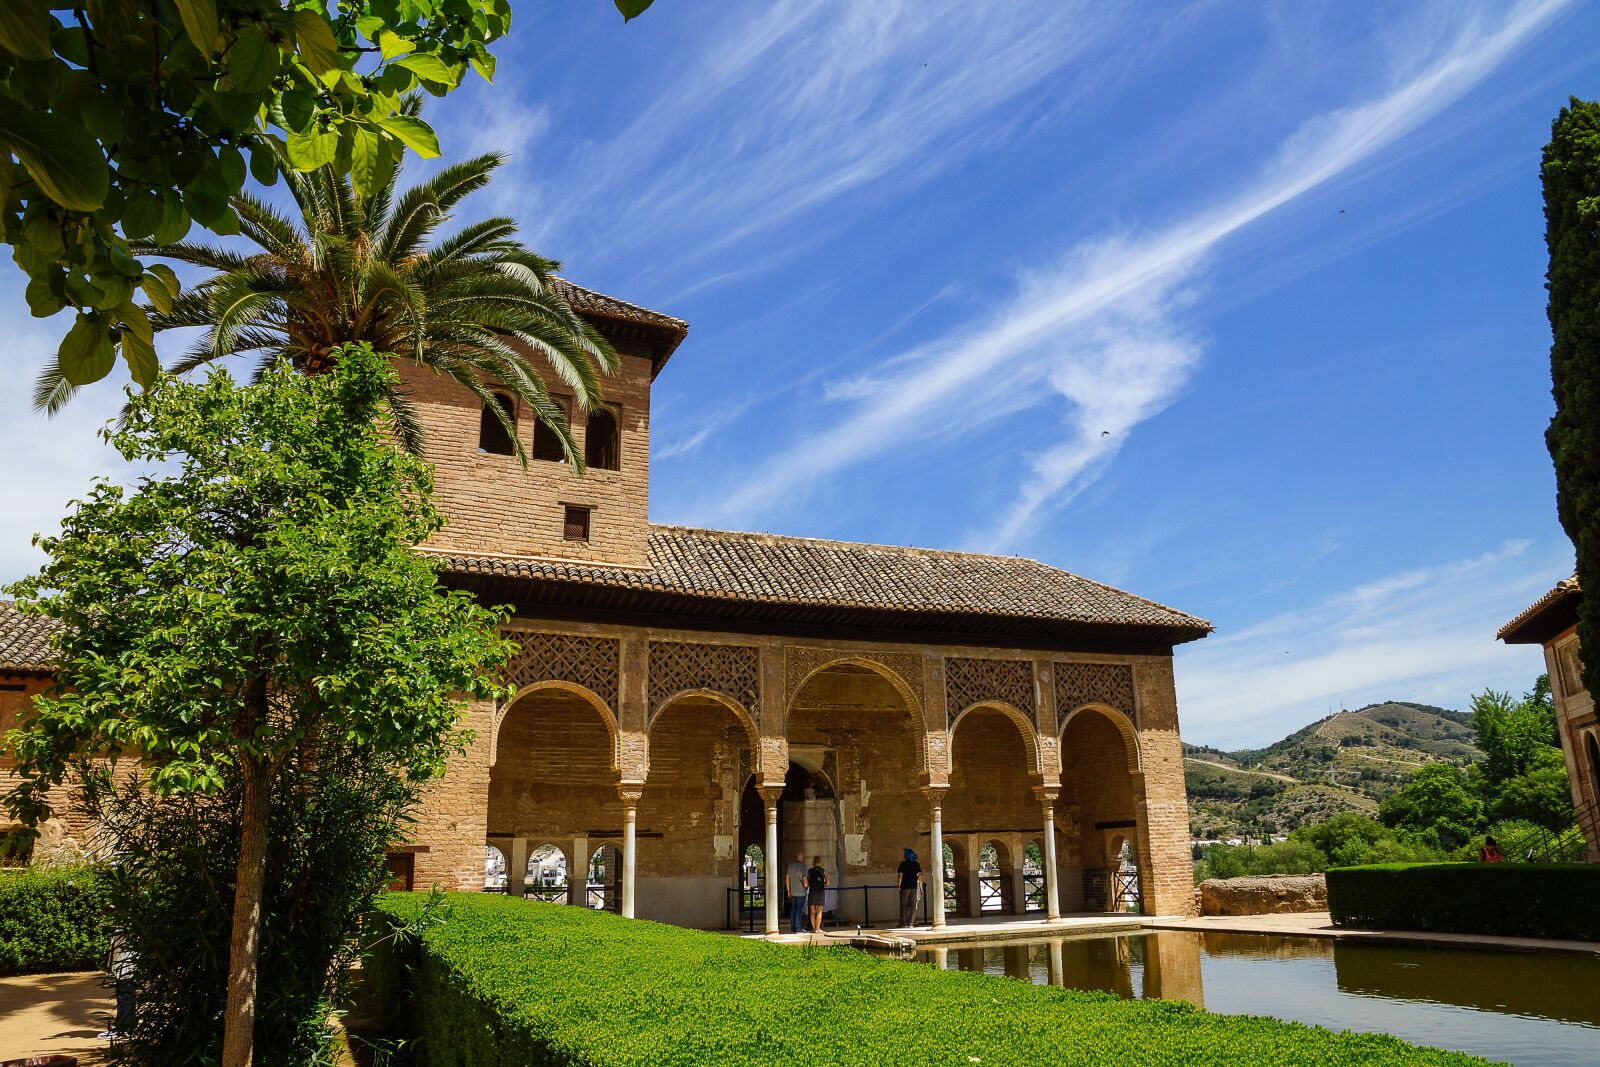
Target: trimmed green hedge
x=506 y=983
x=1509 y=899
x=53 y=919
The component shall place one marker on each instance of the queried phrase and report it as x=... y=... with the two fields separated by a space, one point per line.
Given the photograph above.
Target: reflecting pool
x=1522 y=1008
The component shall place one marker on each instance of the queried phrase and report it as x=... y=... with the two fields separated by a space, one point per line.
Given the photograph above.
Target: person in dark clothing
x=910 y=884
x=816 y=892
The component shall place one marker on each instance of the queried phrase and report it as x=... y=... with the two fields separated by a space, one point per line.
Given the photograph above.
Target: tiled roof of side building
x=1529 y=627
x=668 y=333
x=24 y=640
x=766 y=568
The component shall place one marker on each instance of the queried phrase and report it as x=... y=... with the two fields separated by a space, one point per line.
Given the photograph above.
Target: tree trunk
x=239 y=1020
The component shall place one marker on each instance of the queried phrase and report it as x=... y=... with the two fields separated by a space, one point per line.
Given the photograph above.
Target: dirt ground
x=54 y=1014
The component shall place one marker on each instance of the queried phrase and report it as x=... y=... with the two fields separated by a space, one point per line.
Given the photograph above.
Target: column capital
x=770 y=794
x=630 y=792
x=935 y=794
x=1047 y=794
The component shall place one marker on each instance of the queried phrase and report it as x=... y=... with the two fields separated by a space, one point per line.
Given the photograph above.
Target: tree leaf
x=140 y=355
x=141 y=214
x=252 y=61
x=414 y=133
x=155 y=291
x=366 y=150
x=60 y=155
x=391 y=44
x=308 y=151
x=318 y=50
x=299 y=107
x=632 y=9
x=430 y=67
x=200 y=23
x=86 y=354
x=25 y=27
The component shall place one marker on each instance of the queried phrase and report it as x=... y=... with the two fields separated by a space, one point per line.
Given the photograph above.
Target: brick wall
x=495 y=506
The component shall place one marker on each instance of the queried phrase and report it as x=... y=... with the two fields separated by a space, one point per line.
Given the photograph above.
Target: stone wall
x=1266 y=895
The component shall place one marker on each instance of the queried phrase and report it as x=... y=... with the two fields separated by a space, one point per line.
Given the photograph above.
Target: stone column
x=578 y=873
x=517 y=867
x=770 y=796
x=935 y=881
x=630 y=817
x=1052 y=873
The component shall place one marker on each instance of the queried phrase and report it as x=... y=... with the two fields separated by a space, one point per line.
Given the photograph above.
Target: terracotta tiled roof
x=746 y=568
x=667 y=331
x=24 y=640
x=1525 y=627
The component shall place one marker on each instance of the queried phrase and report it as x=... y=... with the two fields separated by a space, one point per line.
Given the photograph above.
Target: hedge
x=1510 y=899
x=53 y=919
x=503 y=982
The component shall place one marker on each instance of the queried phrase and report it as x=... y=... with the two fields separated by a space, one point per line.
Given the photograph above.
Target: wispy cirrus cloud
x=1103 y=330
x=800 y=103
x=1413 y=635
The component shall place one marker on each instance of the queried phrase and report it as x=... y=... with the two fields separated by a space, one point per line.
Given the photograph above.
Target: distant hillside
x=1348 y=761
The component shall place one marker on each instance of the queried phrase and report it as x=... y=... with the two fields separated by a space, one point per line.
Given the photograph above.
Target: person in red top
x=1490 y=852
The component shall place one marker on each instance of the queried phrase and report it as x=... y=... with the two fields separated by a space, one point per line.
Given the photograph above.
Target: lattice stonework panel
x=969 y=681
x=800 y=660
x=1078 y=684
x=731 y=669
x=592 y=662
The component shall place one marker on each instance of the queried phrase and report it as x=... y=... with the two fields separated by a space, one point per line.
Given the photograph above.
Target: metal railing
x=752 y=906
x=1033 y=890
x=1126 y=895
x=992 y=893
x=1570 y=845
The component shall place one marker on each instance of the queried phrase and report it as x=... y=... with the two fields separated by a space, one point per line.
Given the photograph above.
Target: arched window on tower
x=493 y=437
x=601 y=444
x=546 y=442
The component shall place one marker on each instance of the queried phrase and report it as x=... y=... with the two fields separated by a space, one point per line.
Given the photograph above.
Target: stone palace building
x=1552 y=621
x=690 y=701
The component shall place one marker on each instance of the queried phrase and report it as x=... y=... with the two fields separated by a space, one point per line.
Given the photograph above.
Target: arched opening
x=852 y=728
x=991 y=791
x=497 y=426
x=955 y=880
x=1122 y=863
x=1033 y=883
x=694 y=817
x=1098 y=754
x=994 y=881
x=554 y=779
x=604 y=885
x=494 y=869
x=602 y=442
x=547 y=875
x=546 y=442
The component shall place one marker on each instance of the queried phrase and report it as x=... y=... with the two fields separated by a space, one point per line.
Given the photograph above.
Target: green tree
x=1436 y=801
x=1571 y=175
x=476 y=305
x=123 y=122
x=1512 y=733
x=1541 y=794
x=257 y=590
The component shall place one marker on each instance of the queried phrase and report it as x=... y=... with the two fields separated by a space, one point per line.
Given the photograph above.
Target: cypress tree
x=1571 y=175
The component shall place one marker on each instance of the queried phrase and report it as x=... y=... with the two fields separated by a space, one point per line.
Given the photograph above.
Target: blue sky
x=1237 y=306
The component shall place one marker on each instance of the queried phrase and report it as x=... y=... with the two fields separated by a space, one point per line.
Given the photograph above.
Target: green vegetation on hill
x=510 y=982
x=1348 y=762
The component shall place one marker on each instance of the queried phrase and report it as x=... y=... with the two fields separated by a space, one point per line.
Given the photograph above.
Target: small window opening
x=601 y=449
x=577 y=524
x=492 y=435
x=546 y=442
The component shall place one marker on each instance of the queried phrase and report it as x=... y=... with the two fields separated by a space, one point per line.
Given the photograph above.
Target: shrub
x=510 y=982
x=1508 y=899
x=53 y=919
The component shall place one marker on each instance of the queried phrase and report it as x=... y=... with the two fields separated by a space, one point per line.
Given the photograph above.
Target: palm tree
x=476 y=305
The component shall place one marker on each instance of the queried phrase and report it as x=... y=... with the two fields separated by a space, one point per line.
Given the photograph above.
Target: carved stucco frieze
x=1110 y=684
x=592 y=662
x=731 y=669
x=801 y=660
x=973 y=681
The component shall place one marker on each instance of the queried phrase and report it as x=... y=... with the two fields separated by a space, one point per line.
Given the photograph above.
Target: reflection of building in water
x=1267 y=946
x=1544 y=985
x=1172 y=967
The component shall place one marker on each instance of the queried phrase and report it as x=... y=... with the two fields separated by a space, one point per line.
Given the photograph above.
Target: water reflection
x=1522 y=1008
